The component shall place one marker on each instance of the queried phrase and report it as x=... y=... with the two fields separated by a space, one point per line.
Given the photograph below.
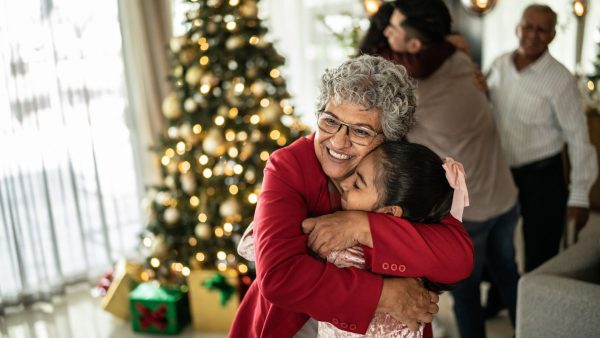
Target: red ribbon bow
x=455 y=173
x=148 y=317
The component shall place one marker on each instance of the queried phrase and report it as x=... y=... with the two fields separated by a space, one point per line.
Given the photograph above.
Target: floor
x=78 y=315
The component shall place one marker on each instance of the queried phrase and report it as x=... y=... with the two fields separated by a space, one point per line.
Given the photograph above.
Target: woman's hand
x=337 y=231
x=407 y=300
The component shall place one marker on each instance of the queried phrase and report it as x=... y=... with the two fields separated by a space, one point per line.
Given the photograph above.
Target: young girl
x=404 y=179
x=407 y=180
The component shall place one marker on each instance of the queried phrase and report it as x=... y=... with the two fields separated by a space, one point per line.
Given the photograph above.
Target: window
x=68 y=191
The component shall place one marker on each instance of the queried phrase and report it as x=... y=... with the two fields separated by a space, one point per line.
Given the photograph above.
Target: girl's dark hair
x=374 y=42
x=411 y=176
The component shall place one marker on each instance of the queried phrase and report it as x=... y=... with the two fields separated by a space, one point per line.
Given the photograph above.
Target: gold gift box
x=207 y=312
x=116 y=301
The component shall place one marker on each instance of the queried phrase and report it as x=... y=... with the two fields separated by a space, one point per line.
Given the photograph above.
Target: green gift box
x=157 y=308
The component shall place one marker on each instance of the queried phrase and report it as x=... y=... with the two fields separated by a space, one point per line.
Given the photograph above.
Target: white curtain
x=146 y=30
x=69 y=196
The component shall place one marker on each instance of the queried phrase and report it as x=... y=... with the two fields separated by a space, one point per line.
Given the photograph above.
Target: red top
x=291 y=285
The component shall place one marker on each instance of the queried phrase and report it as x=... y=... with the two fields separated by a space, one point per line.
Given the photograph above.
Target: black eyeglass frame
x=349 y=127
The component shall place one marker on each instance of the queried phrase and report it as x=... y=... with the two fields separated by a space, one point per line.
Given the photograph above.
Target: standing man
x=454 y=119
x=538 y=108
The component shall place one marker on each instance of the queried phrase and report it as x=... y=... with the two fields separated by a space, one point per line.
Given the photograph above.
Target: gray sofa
x=561 y=298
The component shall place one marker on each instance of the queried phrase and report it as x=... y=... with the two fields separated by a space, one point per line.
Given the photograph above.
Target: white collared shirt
x=537 y=110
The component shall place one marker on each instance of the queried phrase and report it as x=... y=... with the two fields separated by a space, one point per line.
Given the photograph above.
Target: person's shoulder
x=461 y=58
x=556 y=67
x=550 y=70
x=501 y=60
x=297 y=166
x=292 y=157
x=299 y=148
x=456 y=65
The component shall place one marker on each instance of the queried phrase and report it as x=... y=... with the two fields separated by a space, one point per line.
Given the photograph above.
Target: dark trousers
x=494 y=249
x=543 y=198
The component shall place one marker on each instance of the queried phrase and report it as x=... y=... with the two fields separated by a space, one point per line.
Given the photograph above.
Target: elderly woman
x=363 y=102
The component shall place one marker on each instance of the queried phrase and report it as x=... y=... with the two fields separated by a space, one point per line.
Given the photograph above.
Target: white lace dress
x=382 y=325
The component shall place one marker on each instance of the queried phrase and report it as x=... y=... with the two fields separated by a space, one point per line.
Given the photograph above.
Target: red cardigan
x=291 y=285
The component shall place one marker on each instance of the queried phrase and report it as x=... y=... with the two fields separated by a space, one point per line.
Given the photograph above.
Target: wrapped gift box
x=125 y=278
x=208 y=313
x=158 y=309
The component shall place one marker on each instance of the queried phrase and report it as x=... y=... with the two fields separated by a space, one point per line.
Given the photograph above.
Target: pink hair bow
x=455 y=173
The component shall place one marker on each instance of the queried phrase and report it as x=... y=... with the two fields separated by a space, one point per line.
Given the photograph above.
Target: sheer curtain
x=69 y=196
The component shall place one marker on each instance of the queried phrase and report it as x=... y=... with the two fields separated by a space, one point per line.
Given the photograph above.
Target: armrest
x=554 y=306
x=580 y=261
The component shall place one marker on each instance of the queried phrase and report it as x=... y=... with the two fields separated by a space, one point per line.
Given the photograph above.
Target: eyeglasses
x=360 y=135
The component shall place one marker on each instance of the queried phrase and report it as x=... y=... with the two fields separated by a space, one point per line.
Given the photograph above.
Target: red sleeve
x=442 y=253
x=287 y=275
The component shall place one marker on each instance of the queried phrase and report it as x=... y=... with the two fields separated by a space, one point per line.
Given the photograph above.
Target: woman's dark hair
x=373 y=42
x=429 y=18
x=411 y=176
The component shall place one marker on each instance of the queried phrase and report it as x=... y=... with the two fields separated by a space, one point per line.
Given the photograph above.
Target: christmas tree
x=228 y=111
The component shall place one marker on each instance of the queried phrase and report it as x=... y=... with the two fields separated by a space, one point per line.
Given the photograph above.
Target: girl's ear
x=391 y=210
x=413 y=45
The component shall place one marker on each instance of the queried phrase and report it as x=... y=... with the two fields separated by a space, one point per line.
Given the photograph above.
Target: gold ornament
x=172 y=167
x=158 y=248
x=171 y=215
x=212 y=27
x=187 y=56
x=229 y=207
x=177 y=43
x=170 y=182
x=193 y=75
x=186 y=131
x=219 y=169
x=201 y=100
x=271 y=113
x=222 y=110
x=250 y=176
x=232 y=65
x=258 y=88
x=247 y=151
x=251 y=72
x=279 y=80
x=232 y=97
x=202 y=231
x=209 y=79
x=213 y=143
x=172 y=132
x=195 y=37
x=189 y=105
x=249 y=9
x=234 y=42
x=178 y=71
x=162 y=197
x=256 y=136
x=171 y=106
x=214 y=3
x=188 y=183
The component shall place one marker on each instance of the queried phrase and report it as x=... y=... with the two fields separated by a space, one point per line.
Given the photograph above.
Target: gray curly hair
x=372 y=82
